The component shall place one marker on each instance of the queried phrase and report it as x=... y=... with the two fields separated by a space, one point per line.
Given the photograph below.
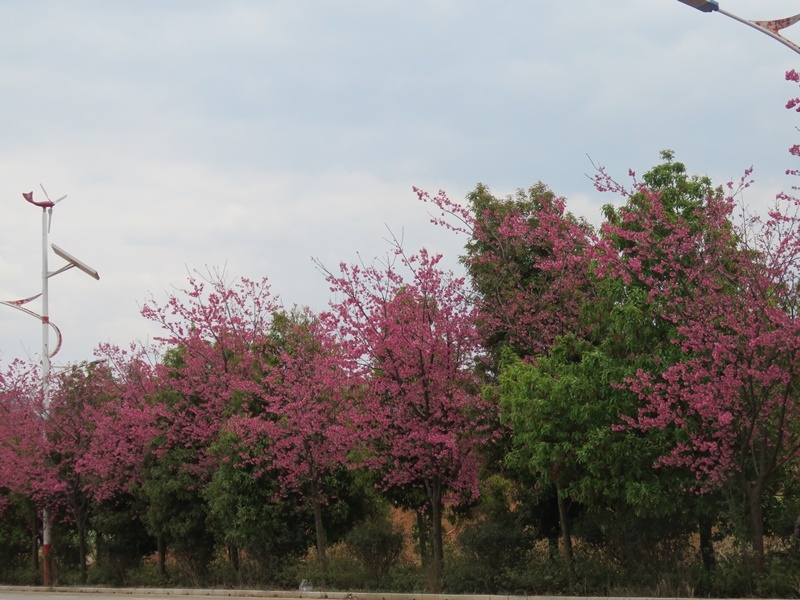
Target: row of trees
x=651 y=363
x=239 y=393
x=643 y=372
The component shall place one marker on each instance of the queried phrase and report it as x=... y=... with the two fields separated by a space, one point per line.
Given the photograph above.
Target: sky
x=253 y=136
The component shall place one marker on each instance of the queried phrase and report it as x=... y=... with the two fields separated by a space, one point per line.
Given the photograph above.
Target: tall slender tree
x=411 y=327
x=304 y=423
x=528 y=260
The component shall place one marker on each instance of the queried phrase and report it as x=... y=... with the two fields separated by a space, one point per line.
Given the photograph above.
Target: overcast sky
x=257 y=134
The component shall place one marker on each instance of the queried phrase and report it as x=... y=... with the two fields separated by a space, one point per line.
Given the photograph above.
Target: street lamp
x=704 y=5
x=47 y=214
x=771 y=28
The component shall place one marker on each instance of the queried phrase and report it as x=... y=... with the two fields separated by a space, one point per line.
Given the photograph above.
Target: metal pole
x=47 y=519
x=47 y=208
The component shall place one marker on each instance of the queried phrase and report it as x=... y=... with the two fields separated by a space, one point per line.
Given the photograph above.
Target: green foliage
x=563 y=409
x=121 y=540
x=502 y=269
x=245 y=511
x=490 y=212
x=176 y=509
x=352 y=497
x=377 y=544
x=635 y=543
x=489 y=549
x=567 y=408
x=683 y=195
x=16 y=517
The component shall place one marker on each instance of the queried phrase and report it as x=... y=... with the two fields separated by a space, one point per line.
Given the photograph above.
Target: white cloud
x=257 y=135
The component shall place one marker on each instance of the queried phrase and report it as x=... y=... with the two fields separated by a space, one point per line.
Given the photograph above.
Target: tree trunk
x=566 y=535
x=35 y=542
x=82 y=552
x=233 y=557
x=319 y=527
x=437 y=535
x=422 y=535
x=705 y=526
x=753 y=495
x=162 y=555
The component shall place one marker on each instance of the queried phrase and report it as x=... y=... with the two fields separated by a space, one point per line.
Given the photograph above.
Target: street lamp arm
x=18 y=304
x=771 y=28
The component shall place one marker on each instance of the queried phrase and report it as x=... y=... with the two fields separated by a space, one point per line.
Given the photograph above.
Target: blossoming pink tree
x=215 y=336
x=730 y=291
x=302 y=427
x=125 y=427
x=29 y=435
x=527 y=258
x=411 y=328
x=45 y=451
x=24 y=467
x=529 y=261
x=215 y=344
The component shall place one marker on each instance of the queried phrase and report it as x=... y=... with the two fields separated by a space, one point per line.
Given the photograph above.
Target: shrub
x=377 y=545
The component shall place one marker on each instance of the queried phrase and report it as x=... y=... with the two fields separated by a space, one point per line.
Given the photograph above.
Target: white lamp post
x=47 y=213
x=771 y=28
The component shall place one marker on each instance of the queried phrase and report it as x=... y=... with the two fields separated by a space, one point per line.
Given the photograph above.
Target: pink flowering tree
x=215 y=341
x=24 y=462
x=410 y=327
x=215 y=333
x=527 y=258
x=45 y=450
x=116 y=461
x=79 y=394
x=26 y=441
x=729 y=291
x=529 y=261
x=125 y=428
x=303 y=426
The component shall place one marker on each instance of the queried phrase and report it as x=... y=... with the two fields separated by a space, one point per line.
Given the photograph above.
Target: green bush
x=15 y=533
x=21 y=576
x=536 y=576
x=343 y=573
x=377 y=544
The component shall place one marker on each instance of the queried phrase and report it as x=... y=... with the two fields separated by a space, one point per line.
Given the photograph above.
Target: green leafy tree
x=528 y=260
x=244 y=513
x=565 y=406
